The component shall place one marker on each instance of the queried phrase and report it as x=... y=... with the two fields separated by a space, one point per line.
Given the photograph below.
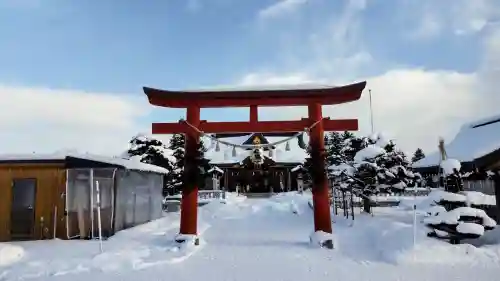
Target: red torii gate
x=313 y=98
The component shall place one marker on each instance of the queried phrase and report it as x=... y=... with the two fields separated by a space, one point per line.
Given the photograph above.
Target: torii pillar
x=313 y=98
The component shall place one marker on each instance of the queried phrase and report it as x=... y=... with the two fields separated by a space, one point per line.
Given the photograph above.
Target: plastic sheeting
x=81 y=201
x=138 y=198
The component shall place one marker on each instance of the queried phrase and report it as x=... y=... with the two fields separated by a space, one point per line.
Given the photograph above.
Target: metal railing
x=172 y=203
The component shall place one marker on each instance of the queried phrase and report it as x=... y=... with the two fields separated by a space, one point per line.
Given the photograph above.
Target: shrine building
x=278 y=171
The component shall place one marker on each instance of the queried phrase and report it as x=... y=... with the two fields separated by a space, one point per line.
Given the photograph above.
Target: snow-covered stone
x=453 y=216
x=470 y=228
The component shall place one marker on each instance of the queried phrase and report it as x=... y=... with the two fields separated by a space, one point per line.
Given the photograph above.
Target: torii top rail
x=313 y=98
x=253 y=99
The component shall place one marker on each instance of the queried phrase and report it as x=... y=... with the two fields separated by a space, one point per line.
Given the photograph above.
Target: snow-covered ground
x=260 y=239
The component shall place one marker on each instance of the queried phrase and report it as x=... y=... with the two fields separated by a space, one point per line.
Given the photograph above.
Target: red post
x=322 y=219
x=189 y=201
x=254 y=114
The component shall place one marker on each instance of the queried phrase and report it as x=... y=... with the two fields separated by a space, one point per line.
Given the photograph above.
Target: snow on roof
x=274 y=87
x=474 y=140
x=216 y=169
x=280 y=155
x=130 y=164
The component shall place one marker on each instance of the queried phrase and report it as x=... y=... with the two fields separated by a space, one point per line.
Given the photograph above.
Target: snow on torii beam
x=313 y=98
x=245 y=98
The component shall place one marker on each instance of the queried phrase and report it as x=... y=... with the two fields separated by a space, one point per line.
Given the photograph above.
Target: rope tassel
x=234 y=151
x=300 y=140
x=217 y=146
x=287 y=147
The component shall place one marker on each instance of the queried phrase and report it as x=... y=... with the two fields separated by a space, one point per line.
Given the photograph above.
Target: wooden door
x=22 y=218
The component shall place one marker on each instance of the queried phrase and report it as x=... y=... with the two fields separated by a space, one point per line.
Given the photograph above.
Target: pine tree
x=397 y=175
x=151 y=151
x=418 y=155
x=334 y=144
x=373 y=165
x=175 y=179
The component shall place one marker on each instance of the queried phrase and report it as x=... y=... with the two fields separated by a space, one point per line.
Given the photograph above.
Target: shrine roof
x=474 y=141
x=280 y=154
x=295 y=95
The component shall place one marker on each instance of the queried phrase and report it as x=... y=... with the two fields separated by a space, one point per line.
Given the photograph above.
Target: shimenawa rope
x=203 y=134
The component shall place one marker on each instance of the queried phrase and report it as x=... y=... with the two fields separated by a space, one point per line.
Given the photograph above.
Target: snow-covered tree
x=335 y=153
x=373 y=165
x=418 y=155
x=459 y=214
x=334 y=145
x=151 y=151
x=176 y=178
x=398 y=174
x=177 y=145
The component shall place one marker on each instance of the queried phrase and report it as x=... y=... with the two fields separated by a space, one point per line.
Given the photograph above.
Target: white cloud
x=281 y=8
x=429 y=27
x=414 y=105
x=46 y=120
x=270 y=79
x=460 y=17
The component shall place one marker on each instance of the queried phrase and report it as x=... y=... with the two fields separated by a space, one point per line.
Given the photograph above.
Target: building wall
x=49 y=202
x=234 y=175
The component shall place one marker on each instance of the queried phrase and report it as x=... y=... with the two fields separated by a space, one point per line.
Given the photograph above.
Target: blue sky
x=116 y=47
x=119 y=46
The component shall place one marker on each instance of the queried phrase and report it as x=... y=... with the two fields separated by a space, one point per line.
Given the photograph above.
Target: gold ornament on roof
x=256 y=140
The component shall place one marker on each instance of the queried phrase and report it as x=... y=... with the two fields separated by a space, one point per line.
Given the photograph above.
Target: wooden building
x=55 y=196
x=275 y=174
x=476 y=146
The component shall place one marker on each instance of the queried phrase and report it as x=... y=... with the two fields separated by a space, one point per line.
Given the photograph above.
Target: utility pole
x=371 y=109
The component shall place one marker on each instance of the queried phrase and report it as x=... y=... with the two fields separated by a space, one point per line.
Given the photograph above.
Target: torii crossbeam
x=313 y=98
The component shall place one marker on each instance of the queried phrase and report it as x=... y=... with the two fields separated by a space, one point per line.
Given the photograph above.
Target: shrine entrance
x=315 y=124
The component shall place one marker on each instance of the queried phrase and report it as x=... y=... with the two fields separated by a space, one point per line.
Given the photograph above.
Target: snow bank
x=233 y=198
x=10 y=254
x=256 y=233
